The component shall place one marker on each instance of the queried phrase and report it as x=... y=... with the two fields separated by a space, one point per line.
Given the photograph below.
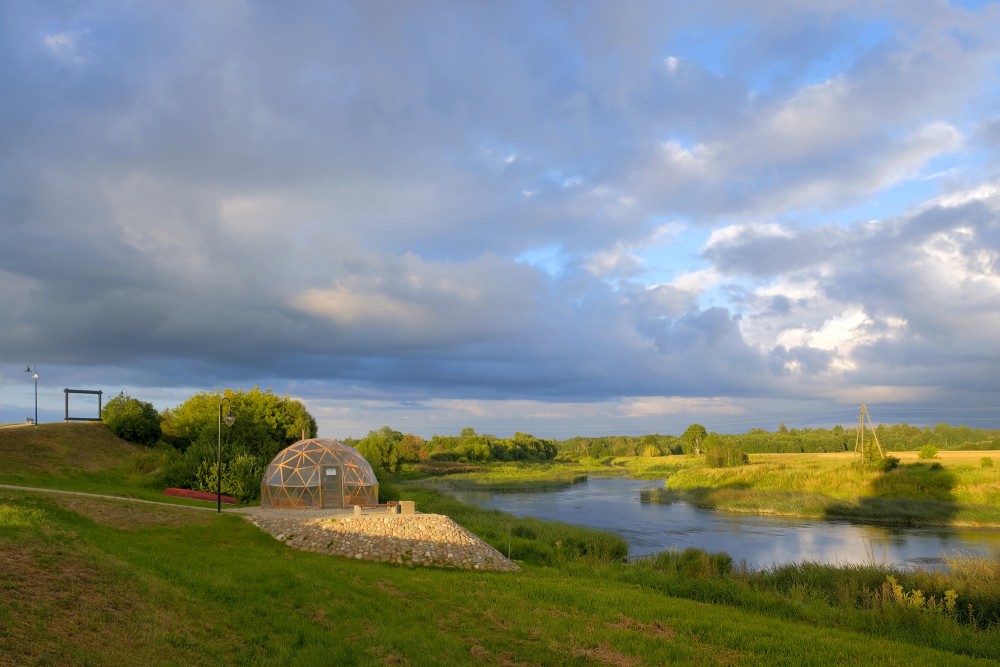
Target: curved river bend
x=613 y=504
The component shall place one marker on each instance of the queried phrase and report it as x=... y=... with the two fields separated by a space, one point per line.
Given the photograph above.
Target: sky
x=562 y=218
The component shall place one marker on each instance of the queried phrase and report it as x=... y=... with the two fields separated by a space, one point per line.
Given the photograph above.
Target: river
x=613 y=504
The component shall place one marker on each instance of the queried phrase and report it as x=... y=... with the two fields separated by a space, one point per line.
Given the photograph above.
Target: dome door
x=332 y=479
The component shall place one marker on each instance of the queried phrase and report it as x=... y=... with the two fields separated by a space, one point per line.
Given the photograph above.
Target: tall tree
x=132 y=420
x=381 y=448
x=265 y=424
x=692 y=438
x=413 y=448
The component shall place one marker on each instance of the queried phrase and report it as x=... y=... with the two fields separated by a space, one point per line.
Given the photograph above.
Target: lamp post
x=229 y=418
x=34 y=374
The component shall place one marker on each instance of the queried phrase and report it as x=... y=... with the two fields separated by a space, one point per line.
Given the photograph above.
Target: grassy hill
x=79 y=456
x=90 y=581
x=60 y=449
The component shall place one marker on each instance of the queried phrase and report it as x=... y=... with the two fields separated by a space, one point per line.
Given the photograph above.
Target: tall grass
x=956 y=609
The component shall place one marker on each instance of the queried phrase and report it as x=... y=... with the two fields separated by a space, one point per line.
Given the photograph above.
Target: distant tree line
x=386 y=449
x=696 y=440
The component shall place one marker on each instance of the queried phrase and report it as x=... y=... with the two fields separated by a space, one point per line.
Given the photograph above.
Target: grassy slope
x=87 y=585
x=97 y=582
x=51 y=451
x=81 y=456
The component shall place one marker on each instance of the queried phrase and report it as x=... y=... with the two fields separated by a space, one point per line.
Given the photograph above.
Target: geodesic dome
x=318 y=473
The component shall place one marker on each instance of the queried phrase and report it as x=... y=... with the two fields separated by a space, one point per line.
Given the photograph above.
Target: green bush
x=265 y=424
x=387 y=489
x=722 y=452
x=724 y=455
x=889 y=463
x=986 y=462
x=928 y=452
x=381 y=449
x=241 y=477
x=132 y=420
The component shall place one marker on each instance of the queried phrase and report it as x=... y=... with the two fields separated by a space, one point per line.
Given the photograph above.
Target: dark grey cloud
x=775 y=251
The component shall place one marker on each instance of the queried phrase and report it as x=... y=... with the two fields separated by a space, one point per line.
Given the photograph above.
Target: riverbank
x=956 y=489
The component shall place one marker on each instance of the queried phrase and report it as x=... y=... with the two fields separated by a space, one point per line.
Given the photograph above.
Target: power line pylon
x=859 y=441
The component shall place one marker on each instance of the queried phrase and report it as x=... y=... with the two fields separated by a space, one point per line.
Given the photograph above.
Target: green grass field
x=89 y=581
x=954 y=490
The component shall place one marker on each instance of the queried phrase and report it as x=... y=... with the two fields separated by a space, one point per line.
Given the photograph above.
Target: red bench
x=197 y=495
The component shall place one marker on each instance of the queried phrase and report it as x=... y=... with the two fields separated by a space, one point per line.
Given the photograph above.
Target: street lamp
x=34 y=374
x=229 y=419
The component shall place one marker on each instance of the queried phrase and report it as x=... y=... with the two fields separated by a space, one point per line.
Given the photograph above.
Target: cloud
x=588 y=214
x=648 y=406
x=409 y=302
x=889 y=300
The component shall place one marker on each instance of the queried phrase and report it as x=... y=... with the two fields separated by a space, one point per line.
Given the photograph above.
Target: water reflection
x=613 y=504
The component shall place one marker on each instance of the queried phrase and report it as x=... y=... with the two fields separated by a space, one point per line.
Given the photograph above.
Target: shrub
x=928 y=452
x=889 y=463
x=241 y=477
x=724 y=455
x=381 y=449
x=132 y=420
x=265 y=424
x=986 y=462
x=892 y=592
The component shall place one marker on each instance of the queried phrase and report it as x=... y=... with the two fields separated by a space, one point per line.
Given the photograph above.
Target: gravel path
x=403 y=539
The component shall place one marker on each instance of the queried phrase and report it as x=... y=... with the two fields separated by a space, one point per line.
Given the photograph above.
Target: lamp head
x=229 y=418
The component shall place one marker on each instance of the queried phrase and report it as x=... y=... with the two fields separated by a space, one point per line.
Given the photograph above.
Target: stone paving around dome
x=402 y=539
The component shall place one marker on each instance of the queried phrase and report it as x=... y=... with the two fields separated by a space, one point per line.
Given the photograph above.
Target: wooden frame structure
x=100 y=396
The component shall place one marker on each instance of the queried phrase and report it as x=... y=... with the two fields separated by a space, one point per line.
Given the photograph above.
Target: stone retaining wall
x=410 y=539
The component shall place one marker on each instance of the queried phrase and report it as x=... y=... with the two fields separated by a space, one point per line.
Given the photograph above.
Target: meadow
x=953 y=489
x=95 y=581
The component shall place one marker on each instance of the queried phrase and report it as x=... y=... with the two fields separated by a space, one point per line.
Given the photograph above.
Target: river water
x=613 y=504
